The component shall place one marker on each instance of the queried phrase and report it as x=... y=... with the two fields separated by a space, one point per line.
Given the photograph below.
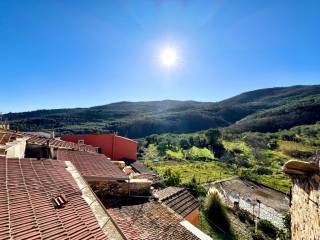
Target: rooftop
x=9 y=139
x=27 y=209
x=53 y=142
x=141 y=168
x=179 y=200
x=7 y=136
x=92 y=166
x=141 y=219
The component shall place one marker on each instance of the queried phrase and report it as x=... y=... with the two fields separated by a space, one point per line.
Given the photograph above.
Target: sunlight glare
x=168 y=57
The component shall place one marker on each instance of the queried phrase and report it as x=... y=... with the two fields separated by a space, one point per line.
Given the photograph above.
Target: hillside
x=257 y=110
x=257 y=156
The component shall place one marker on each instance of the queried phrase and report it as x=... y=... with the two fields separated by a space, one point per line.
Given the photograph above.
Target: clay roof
x=141 y=168
x=140 y=219
x=40 y=140
x=26 y=209
x=7 y=136
x=179 y=200
x=92 y=166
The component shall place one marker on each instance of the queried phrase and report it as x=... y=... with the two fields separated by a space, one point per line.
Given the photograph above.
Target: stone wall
x=134 y=187
x=305 y=211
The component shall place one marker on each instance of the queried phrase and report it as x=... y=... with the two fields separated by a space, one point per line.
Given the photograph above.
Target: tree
x=184 y=144
x=215 y=210
x=213 y=136
x=151 y=153
x=196 y=189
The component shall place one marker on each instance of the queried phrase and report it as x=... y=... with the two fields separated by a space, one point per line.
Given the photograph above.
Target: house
x=181 y=201
x=305 y=197
x=146 y=219
x=43 y=200
x=111 y=145
x=78 y=193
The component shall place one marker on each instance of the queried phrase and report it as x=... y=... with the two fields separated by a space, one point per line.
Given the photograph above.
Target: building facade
x=113 y=146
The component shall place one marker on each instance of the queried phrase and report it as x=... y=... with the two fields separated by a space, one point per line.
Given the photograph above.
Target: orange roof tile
x=26 y=210
x=141 y=219
x=178 y=199
x=92 y=166
x=39 y=140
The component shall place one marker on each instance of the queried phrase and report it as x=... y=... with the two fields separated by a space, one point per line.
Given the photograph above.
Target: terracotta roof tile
x=143 y=219
x=40 y=140
x=92 y=166
x=8 y=136
x=178 y=199
x=26 y=210
x=141 y=168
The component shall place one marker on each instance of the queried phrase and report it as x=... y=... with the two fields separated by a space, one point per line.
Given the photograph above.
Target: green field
x=203 y=171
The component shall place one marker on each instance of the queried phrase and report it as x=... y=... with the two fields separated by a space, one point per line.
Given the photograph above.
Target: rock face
x=305 y=202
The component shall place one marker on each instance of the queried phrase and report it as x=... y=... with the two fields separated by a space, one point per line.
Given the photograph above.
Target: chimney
x=52 y=135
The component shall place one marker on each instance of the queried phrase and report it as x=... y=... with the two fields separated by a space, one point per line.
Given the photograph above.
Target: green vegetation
x=171 y=178
x=256 y=156
x=265 y=110
x=268 y=228
x=215 y=211
x=199 y=154
x=203 y=171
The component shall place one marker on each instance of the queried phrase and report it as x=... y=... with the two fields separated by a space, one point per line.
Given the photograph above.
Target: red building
x=113 y=146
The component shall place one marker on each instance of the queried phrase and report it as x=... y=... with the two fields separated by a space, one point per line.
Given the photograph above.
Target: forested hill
x=259 y=110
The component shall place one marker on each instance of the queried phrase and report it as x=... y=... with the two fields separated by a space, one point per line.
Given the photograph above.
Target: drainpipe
x=113 y=141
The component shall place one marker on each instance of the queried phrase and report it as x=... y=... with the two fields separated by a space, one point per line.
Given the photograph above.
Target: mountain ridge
x=139 y=119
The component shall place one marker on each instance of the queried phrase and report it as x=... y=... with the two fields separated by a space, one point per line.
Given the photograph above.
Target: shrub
x=243 y=215
x=196 y=189
x=215 y=211
x=263 y=171
x=268 y=228
x=171 y=178
x=257 y=235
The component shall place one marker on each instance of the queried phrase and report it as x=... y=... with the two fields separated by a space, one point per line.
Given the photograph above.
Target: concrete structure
x=111 y=145
x=305 y=201
x=273 y=206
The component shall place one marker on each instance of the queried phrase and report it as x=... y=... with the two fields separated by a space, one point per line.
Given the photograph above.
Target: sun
x=168 y=57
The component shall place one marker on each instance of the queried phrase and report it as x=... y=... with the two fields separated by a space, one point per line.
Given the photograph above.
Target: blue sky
x=56 y=54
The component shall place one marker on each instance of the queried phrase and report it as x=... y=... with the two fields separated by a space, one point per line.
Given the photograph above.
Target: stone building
x=305 y=201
